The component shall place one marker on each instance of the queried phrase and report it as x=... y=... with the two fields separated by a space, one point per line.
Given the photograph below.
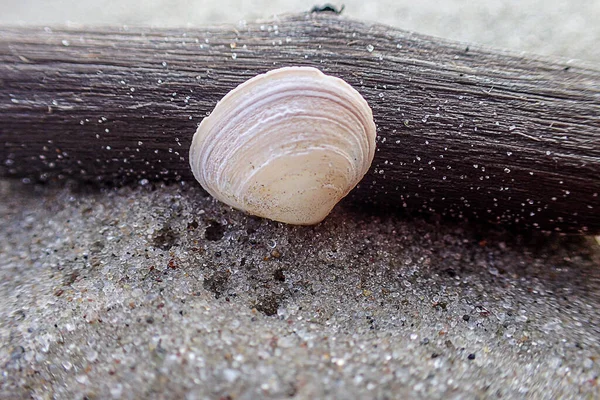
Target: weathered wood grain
x=464 y=132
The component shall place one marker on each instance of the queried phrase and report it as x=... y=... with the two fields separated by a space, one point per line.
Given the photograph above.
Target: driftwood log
x=464 y=131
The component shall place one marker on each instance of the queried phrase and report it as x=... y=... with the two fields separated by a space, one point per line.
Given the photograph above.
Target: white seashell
x=286 y=145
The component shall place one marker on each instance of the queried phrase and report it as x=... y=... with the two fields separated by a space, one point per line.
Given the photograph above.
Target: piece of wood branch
x=463 y=132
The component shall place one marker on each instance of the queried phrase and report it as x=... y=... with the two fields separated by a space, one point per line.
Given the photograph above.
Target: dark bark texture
x=464 y=132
